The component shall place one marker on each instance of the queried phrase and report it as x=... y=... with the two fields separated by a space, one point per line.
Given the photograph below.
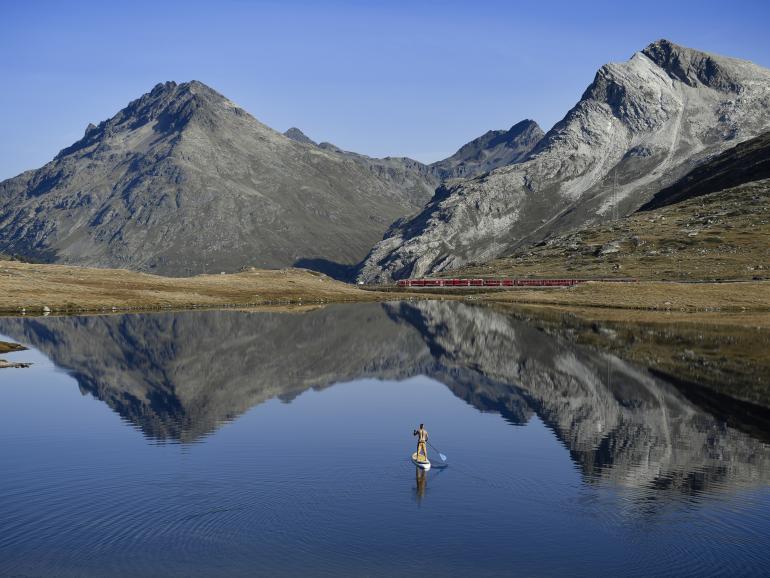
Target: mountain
x=744 y=163
x=493 y=149
x=620 y=423
x=184 y=181
x=640 y=126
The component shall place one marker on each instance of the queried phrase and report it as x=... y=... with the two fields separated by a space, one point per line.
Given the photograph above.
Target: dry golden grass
x=71 y=289
x=66 y=289
x=655 y=296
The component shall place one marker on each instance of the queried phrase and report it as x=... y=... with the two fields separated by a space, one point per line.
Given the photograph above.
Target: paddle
x=442 y=456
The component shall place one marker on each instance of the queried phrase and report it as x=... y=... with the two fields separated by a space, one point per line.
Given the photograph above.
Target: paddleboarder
x=422 y=440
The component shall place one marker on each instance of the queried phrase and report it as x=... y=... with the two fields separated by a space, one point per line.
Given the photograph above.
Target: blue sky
x=381 y=78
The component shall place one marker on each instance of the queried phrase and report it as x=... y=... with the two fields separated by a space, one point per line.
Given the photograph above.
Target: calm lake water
x=272 y=444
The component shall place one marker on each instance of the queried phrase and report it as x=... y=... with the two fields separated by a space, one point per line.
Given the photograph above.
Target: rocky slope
x=639 y=126
x=184 y=181
x=744 y=163
x=180 y=376
x=715 y=237
x=712 y=224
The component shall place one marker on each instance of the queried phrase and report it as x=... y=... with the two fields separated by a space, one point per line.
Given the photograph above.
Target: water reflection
x=179 y=376
x=421 y=483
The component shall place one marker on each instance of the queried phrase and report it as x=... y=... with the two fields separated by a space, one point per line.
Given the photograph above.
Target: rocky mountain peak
x=508 y=137
x=297 y=135
x=693 y=66
x=168 y=107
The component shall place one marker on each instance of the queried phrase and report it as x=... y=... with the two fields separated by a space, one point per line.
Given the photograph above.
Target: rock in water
x=643 y=123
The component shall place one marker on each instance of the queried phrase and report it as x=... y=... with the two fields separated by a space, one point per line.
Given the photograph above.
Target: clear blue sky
x=416 y=78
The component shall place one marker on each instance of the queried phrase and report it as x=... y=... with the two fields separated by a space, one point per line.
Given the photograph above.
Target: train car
x=504 y=282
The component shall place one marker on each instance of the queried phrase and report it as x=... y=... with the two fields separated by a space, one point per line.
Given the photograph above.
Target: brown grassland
x=69 y=289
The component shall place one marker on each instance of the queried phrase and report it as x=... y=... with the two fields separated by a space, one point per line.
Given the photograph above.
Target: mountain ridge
x=493 y=149
x=184 y=181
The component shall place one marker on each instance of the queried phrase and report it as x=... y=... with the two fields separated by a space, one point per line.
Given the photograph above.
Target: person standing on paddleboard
x=422 y=439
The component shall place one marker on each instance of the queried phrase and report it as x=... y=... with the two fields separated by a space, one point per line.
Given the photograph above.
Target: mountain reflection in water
x=178 y=376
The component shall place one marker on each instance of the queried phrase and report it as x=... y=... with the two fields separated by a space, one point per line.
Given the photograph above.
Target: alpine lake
x=258 y=443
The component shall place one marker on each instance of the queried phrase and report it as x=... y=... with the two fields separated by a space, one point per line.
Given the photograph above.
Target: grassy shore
x=37 y=288
x=33 y=288
x=753 y=296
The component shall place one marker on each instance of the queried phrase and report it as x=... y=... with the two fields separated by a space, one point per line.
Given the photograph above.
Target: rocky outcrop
x=639 y=126
x=184 y=181
x=297 y=135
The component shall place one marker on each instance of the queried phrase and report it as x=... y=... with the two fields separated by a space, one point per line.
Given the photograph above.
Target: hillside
x=492 y=150
x=639 y=127
x=697 y=234
x=718 y=236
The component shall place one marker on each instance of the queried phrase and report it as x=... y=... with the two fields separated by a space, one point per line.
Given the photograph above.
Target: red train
x=497 y=282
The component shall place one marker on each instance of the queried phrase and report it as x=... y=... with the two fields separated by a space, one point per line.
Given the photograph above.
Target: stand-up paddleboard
x=422 y=463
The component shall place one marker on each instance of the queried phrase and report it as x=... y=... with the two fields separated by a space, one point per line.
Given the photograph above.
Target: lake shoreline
x=34 y=289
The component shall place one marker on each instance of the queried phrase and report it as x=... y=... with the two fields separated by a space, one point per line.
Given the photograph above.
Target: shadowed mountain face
x=184 y=181
x=179 y=376
x=745 y=163
x=642 y=124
